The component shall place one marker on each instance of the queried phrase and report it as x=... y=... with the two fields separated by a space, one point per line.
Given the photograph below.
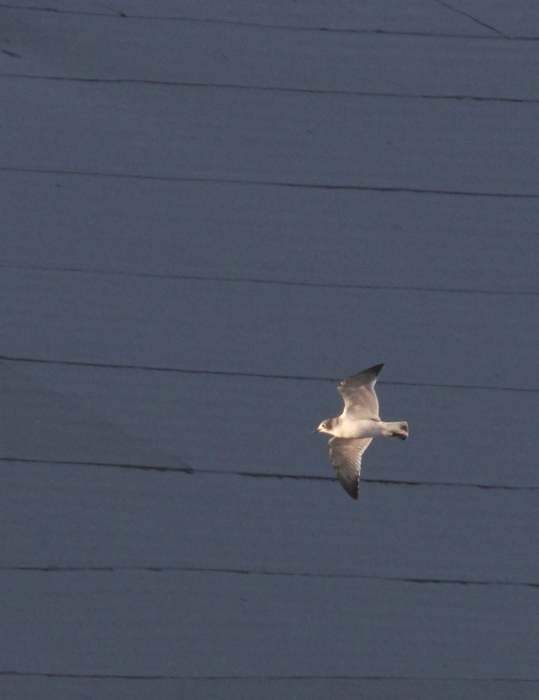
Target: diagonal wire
x=255 y=375
x=268 y=572
x=120 y=15
x=268 y=88
x=270 y=183
x=254 y=280
x=474 y=19
x=263 y=475
x=291 y=677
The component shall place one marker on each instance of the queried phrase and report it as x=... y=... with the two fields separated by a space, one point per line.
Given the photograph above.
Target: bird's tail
x=399 y=429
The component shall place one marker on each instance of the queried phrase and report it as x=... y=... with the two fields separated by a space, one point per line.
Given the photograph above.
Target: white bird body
x=352 y=432
x=345 y=427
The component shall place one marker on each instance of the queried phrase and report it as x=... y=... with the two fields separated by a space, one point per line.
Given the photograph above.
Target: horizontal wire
x=268 y=572
x=257 y=375
x=264 y=475
x=291 y=677
x=269 y=88
x=497 y=35
x=267 y=183
x=253 y=280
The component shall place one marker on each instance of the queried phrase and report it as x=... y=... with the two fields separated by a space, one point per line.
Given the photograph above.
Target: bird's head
x=324 y=427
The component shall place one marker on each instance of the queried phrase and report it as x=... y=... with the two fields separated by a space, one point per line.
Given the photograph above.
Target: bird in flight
x=352 y=432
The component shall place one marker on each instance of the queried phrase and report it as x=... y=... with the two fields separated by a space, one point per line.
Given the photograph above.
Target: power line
x=474 y=19
x=253 y=280
x=256 y=375
x=269 y=183
x=267 y=572
x=122 y=16
x=162 y=677
x=271 y=88
x=264 y=475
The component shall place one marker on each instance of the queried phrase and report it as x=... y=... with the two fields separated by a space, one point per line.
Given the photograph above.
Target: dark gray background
x=212 y=211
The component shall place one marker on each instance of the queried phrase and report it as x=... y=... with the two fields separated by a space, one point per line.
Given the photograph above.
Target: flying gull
x=357 y=425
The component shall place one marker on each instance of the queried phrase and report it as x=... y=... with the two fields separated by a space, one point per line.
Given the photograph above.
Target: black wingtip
x=376 y=369
x=350 y=486
x=351 y=489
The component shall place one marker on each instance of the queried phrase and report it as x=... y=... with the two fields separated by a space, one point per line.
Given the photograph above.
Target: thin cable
x=474 y=19
x=257 y=375
x=268 y=572
x=263 y=475
x=266 y=88
x=120 y=15
x=253 y=280
x=163 y=677
x=267 y=183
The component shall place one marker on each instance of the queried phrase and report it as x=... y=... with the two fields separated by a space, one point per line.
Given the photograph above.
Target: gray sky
x=212 y=212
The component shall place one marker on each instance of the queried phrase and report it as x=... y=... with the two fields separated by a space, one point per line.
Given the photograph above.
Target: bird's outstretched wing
x=345 y=455
x=358 y=393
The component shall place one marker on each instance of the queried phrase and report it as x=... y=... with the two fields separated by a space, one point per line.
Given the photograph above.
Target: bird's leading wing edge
x=358 y=393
